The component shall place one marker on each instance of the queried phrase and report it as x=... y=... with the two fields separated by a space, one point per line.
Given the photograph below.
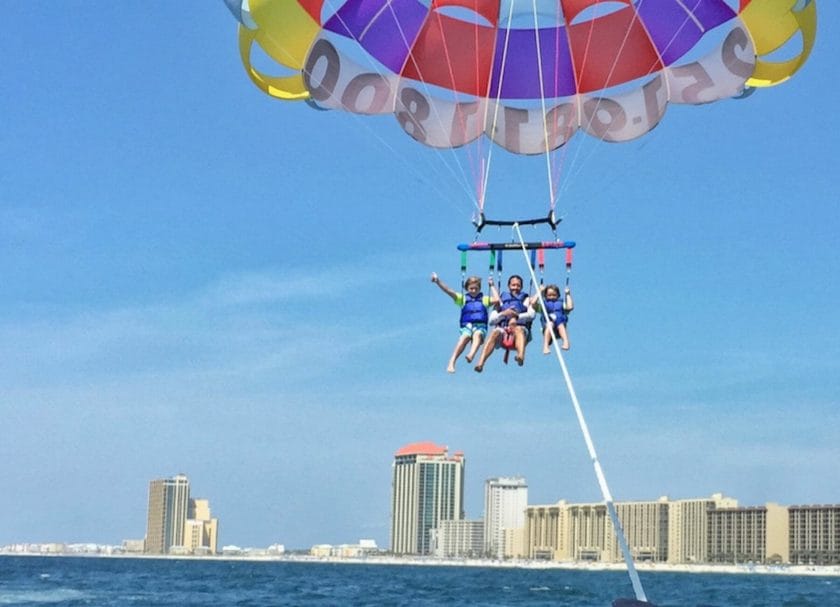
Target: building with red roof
x=427 y=487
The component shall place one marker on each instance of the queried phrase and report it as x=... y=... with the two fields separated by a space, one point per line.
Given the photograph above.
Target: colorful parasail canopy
x=528 y=74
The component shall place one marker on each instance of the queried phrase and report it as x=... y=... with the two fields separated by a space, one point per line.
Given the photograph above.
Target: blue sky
x=197 y=278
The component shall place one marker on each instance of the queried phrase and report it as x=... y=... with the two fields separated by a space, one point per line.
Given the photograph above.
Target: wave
x=52 y=596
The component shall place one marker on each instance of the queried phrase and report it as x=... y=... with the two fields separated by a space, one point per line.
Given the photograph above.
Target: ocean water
x=125 y=582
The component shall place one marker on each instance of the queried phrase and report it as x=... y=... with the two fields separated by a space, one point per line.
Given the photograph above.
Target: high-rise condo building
x=688 y=527
x=505 y=502
x=176 y=523
x=815 y=534
x=201 y=529
x=758 y=534
x=660 y=530
x=427 y=487
x=168 y=504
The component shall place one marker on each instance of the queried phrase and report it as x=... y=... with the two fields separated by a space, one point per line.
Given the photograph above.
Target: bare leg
x=489 y=346
x=547 y=338
x=477 y=338
x=459 y=347
x=561 y=329
x=519 y=341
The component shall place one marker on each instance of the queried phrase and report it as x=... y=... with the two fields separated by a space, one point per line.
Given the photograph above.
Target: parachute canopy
x=528 y=74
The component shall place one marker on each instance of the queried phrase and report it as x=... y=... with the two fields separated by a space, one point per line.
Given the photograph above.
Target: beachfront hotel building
x=754 y=534
x=656 y=531
x=645 y=528
x=717 y=530
x=688 y=527
x=427 y=487
x=176 y=523
x=505 y=501
x=815 y=534
x=583 y=532
x=543 y=533
x=458 y=538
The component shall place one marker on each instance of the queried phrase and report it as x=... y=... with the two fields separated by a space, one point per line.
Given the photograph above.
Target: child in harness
x=557 y=310
x=474 y=314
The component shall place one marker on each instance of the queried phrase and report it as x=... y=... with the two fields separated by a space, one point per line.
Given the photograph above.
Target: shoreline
x=696 y=568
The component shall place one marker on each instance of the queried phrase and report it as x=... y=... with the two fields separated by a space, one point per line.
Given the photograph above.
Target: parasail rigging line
x=476 y=160
x=587 y=437
x=577 y=167
x=462 y=180
x=486 y=169
x=551 y=196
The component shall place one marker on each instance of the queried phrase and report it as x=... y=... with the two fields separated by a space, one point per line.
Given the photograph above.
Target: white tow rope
x=590 y=446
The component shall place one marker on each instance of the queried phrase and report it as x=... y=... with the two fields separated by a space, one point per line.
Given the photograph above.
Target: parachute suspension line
x=365 y=124
x=496 y=105
x=532 y=281
x=473 y=159
x=590 y=446
x=462 y=180
x=463 y=271
x=570 y=124
x=492 y=265
x=499 y=268
x=479 y=175
x=551 y=194
x=578 y=166
x=568 y=267
x=557 y=166
x=480 y=189
x=689 y=17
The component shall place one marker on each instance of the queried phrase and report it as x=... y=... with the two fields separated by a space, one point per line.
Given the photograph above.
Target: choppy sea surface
x=75 y=581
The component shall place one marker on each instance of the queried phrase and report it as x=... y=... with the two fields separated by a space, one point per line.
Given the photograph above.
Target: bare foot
x=564 y=347
x=546 y=351
x=479 y=368
x=450 y=368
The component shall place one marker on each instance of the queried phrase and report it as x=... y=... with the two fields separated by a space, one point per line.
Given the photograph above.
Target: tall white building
x=505 y=502
x=427 y=487
x=458 y=539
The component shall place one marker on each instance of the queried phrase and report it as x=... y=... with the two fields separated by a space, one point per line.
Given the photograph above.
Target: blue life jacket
x=517 y=303
x=473 y=311
x=555 y=307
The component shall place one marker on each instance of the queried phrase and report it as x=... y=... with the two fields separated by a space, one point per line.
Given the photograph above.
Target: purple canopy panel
x=385 y=29
x=521 y=79
x=673 y=30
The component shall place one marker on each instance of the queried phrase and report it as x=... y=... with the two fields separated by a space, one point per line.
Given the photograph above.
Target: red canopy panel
x=611 y=50
x=440 y=48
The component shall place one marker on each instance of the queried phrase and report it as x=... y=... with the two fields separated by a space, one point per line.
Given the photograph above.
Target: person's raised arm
x=444 y=287
x=495 y=298
x=568 y=302
x=534 y=300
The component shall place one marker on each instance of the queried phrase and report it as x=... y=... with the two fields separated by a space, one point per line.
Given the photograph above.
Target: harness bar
x=512 y=246
x=481 y=221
